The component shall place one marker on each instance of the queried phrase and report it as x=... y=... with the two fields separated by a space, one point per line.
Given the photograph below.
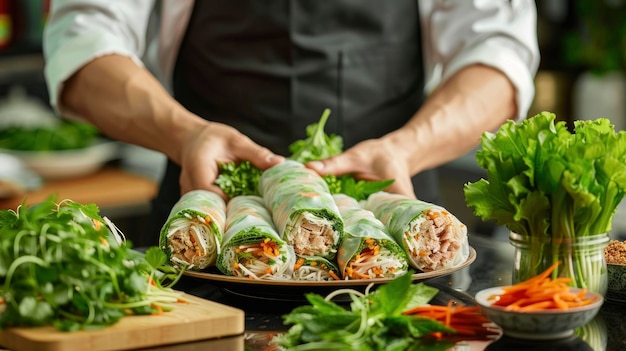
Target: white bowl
x=538 y=325
x=65 y=164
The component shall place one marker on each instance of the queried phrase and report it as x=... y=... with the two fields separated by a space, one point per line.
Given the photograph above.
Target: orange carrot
x=466 y=321
x=541 y=292
x=333 y=275
x=158 y=309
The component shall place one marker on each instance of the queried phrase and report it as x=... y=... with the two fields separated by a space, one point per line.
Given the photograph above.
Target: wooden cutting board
x=200 y=319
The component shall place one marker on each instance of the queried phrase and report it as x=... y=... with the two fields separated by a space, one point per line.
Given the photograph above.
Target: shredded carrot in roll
x=298 y=263
x=333 y=274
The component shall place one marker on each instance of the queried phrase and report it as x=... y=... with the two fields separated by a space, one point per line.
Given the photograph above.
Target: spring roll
x=252 y=247
x=367 y=251
x=193 y=231
x=432 y=237
x=315 y=268
x=302 y=208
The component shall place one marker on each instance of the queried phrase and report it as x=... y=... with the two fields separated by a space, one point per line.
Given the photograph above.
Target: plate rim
x=330 y=283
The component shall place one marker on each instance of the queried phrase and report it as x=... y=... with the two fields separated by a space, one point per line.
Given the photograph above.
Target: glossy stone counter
x=492 y=267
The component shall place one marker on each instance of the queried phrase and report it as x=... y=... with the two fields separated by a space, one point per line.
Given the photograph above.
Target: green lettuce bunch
x=543 y=179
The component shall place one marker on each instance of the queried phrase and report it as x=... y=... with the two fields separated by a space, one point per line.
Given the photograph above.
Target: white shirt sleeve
x=79 y=31
x=497 y=33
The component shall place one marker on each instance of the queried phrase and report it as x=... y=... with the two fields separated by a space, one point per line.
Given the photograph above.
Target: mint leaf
x=373 y=321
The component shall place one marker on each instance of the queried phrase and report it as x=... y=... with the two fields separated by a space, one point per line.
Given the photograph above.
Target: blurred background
x=581 y=76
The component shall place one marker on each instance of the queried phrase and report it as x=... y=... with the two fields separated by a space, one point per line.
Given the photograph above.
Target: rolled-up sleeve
x=79 y=31
x=497 y=33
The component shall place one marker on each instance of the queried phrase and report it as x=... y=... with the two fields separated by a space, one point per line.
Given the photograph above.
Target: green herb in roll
x=302 y=208
x=252 y=247
x=367 y=251
x=315 y=268
x=431 y=236
x=193 y=231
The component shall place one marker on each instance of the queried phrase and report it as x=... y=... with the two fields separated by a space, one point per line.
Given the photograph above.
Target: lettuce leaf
x=543 y=179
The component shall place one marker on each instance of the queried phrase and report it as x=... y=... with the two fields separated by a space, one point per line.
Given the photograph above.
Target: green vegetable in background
x=374 y=321
x=66 y=135
x=62 y=264
x=544 y=181
x=242 y=179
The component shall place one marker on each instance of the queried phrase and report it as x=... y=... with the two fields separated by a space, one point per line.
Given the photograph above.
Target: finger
x=216 y=189
x=188 y=183
x=261 y=157
x=337 y=165
x=402 y=185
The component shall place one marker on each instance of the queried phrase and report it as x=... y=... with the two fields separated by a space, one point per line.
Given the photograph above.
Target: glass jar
x=580 y=258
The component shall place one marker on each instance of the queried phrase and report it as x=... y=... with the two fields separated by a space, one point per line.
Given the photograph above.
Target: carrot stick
x=465 y=320
x=540 y=293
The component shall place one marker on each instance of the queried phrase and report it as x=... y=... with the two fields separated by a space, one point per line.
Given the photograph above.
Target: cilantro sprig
x=239 y=179
x=243 y=178
x=63 y=264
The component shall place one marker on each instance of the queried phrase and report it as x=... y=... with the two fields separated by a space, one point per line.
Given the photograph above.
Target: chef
x=411 y=84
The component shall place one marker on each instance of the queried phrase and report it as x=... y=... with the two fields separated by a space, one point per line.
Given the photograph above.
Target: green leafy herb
x=243 y=178
x=66 y=135
x=239 y=179
x=358 y=189
x=62 y=264
x=374 y=321
x=318 y=145
x=543 y=181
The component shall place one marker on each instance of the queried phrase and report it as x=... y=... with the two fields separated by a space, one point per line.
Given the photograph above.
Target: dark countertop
x=492 y=267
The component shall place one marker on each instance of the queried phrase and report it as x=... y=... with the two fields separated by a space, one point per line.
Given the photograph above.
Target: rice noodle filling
x=432 y=241
x=192 y=242
x=262 y=260
x=374 y=261
x=312 y=273
x=311 y=235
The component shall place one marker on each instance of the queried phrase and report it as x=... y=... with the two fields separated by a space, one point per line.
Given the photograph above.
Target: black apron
x=269 y=68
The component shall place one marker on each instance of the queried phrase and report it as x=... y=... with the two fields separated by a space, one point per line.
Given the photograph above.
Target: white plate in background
x=65 y=164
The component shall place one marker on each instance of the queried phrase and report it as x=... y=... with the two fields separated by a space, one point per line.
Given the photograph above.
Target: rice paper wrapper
x=431 y=236
x=315 y=268
x=367 y=251
x=252 y=247
x=302 y=208
x=193 y=231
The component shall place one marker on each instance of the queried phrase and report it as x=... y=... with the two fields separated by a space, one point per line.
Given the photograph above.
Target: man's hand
x=215 y=143
x=127 y=103
x=449 y=124
x=374 y=160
